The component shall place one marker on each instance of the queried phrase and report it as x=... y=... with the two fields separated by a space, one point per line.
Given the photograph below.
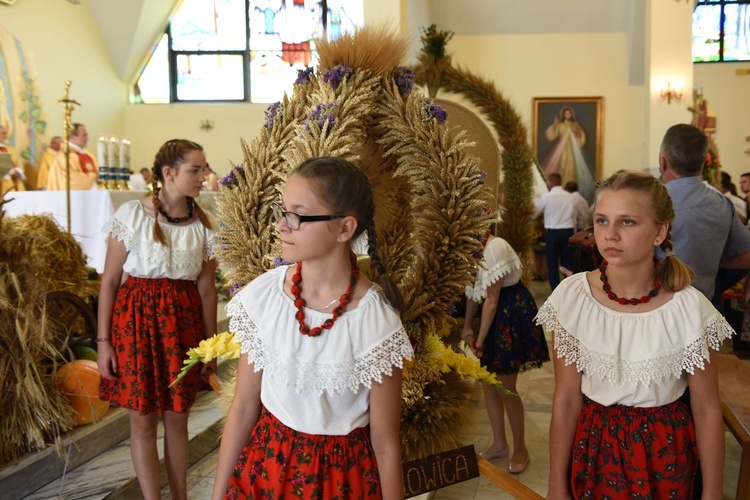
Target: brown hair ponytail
x=673 y=274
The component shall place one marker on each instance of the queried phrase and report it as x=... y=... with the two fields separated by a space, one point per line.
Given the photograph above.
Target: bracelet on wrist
x=102 y=340
x=474 y=346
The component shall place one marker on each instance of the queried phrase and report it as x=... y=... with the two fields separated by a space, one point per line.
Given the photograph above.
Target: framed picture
x=567 y=139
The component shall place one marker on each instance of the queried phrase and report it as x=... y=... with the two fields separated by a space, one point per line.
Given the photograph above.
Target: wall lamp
x=668 y=93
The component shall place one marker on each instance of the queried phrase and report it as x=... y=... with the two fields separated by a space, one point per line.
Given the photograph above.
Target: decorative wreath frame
x=436 y=70
x=429 y=193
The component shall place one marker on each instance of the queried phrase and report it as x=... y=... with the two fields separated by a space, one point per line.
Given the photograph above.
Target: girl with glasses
x=317 y=401
x=166 y=306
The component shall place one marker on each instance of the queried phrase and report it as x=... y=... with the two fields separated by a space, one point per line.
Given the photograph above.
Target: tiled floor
x=536 y=389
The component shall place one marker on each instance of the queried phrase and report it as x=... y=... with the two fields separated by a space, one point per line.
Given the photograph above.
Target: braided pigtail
x=673 y=274
x=390 y=290
x=201 y=214
x=158 y=231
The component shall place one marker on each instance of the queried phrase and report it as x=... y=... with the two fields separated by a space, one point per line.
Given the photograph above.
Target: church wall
x=565 y=65
x=66 y=45
x=728 y=96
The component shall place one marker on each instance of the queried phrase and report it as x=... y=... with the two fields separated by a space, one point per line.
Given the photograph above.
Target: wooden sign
x=440 y=470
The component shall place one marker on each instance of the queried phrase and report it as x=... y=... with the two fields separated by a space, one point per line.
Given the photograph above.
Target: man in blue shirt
x=706 y=231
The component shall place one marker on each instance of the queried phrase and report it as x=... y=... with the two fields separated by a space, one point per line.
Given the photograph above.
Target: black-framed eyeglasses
x=294 y=220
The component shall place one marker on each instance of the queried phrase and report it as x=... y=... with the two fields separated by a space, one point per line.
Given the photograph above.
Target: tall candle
x=125 y=154
x=114 y=151
x=110 y=151
x=100 y=151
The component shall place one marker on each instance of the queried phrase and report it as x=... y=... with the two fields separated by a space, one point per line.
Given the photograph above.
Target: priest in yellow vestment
x=42 y=167
x=13 y=180
x=84 y=171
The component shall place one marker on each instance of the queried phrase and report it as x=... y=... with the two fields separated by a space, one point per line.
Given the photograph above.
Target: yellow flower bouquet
x=445 y=359
x=220 y=345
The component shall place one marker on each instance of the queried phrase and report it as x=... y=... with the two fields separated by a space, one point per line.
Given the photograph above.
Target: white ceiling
x=130 y=29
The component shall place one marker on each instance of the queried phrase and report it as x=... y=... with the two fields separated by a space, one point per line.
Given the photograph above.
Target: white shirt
x=557 y=206
x=137 y=182
x=633 y=359
x=317 y=385
x=183 y=259
x=581 y=210
x=500 y=261
x=739 y=204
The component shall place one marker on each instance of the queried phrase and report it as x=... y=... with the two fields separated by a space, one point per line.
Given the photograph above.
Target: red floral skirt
x=154 y=324
x=279 y=462
x=628 y=452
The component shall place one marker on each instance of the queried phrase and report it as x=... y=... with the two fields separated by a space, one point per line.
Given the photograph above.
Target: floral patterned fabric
x=628 y=452
x=514 y=343
x=154 y=323
x=279 y=462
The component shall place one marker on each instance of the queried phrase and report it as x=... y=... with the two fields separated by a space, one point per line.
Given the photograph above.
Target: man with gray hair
x=706 y=230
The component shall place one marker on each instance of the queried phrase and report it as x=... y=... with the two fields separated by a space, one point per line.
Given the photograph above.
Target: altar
x=89 y=210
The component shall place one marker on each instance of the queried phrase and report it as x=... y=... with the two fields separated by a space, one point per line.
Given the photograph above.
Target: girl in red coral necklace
x=630 y=338
x=317 y=402
x=166 y=306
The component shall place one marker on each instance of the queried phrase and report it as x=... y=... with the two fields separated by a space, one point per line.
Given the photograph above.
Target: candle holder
x=125 y=178
x=104 y=177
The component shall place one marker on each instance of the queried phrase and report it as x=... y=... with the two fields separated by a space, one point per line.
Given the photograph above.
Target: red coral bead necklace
x=299 y=302
x=621 y=300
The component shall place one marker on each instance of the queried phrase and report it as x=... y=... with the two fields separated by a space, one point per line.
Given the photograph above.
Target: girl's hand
x=467 y=334
x=106 y=361
x=211 y=365
x=477 y=347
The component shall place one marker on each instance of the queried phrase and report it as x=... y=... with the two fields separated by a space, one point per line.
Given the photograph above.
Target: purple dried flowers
x=234 y=289
x=322 y=114
x=230 y=179
x=304 y=76
x=272 y=112
x=480 y=178
x=404 y=78
x=336 y=75
x=278 y=262
x=435 y=112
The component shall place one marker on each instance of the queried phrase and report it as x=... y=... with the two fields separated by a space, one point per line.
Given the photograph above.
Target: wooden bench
x=734 y=380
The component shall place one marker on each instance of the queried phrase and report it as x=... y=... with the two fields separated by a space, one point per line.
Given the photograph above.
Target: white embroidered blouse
x=500 y=261
x=316 y=385
x=190 y=245
x=633 y=359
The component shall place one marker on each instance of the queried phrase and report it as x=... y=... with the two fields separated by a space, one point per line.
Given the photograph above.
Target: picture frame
x=552 y=134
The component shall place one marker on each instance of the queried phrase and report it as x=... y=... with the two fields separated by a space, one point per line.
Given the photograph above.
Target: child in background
x=508 y=342
x=317 y=403
x=631 y=337
x=166 y=306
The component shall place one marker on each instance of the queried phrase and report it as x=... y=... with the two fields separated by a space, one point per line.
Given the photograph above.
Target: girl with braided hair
x=165 y=307
x=620 y=428
x=317 y=400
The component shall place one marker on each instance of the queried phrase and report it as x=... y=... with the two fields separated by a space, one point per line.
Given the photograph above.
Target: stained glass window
x=241 y=50
x=721 y=31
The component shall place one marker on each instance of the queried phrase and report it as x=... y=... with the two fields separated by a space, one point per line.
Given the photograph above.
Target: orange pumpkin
x=79 y=381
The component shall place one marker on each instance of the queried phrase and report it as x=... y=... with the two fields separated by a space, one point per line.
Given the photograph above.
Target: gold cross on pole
x=68 y=104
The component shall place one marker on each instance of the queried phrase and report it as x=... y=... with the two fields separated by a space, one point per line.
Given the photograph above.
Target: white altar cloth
x=89 y=209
